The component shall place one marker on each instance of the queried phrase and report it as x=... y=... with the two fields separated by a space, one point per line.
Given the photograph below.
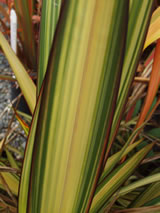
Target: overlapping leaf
x=25 y=82
x=49 y=18
x=116 y=178
x=137 y=30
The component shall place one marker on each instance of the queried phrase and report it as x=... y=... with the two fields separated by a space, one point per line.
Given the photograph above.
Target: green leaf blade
x=116 y=178
x=25 y=82
x=77 y=101
x=137 y=29
x=49 y=18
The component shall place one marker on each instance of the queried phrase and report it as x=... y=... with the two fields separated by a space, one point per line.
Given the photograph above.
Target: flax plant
x=87 y=58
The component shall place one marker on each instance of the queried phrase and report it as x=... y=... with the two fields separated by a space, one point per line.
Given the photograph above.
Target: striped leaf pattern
x=77 y=104
x=116 y=179
x=49 y=18
x=139 y=17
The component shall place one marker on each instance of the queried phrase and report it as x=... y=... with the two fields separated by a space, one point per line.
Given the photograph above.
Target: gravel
x=17 y=138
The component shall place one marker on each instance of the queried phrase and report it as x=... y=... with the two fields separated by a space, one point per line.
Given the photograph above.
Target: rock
x=7 y=113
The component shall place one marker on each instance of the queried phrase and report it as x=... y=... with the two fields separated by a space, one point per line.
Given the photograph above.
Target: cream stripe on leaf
x=139 y=17
x=77 y=101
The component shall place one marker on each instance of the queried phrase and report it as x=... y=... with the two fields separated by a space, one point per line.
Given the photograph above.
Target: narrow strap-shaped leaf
x=110 y=185
x=154 y=28
x=111 y=162
x=23 y=124
x=24 y=182
x=140 y=14
x=25 y=82
x=11 y=181
x=49 y=18
x=147 y=209
x=26 y=35
x=151 y=192
x=77 y=101
x=120 y=153
x=11 y=159
x=144 y=181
